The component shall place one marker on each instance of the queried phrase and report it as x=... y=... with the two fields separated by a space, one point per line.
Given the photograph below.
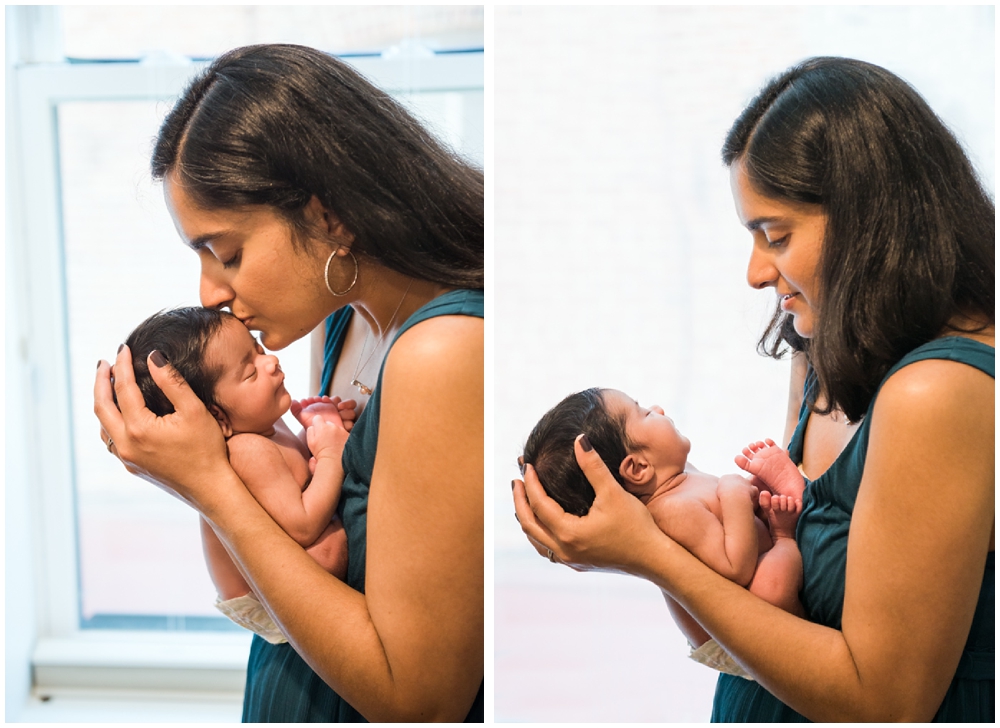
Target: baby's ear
x=635 y=469
x=223 y=419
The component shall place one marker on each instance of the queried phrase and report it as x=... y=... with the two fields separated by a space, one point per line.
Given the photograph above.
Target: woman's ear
x=636 y=470
x=223 y=419
x=325 y=222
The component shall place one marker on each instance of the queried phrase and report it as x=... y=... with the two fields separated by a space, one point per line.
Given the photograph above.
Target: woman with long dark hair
x=310 y=196
x=877 y=236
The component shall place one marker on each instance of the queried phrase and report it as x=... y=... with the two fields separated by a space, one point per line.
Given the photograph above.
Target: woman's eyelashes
x=778 y=242
x=234 y=261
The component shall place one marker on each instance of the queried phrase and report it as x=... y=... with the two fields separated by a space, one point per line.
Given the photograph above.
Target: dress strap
x=336 y=325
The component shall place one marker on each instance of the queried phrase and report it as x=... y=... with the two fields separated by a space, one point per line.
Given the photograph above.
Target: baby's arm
x=302 y=514
x=727 y=545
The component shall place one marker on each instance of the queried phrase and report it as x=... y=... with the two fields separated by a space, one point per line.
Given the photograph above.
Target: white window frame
x=67 y=659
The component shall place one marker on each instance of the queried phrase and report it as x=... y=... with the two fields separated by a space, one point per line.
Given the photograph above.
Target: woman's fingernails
x=520 y=464
x=516 y=518
x=120 y=347
x=585 y=443
x=98 y=363
x=157 y=356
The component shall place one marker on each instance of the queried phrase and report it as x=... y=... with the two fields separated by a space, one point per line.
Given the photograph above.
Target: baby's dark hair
x=181 y=335
x=549 y=448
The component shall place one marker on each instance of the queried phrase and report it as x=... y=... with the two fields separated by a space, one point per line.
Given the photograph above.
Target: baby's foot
x=770 y=464
x=782 y=513
x=325 y=408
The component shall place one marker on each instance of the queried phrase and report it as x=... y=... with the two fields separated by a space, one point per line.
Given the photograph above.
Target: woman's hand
x=614 y=536
x=183 y=452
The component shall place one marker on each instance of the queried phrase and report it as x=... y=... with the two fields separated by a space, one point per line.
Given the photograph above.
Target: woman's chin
x=273 y=341
x=803 y=326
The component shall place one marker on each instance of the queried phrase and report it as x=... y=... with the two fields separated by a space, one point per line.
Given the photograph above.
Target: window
x=114 y=588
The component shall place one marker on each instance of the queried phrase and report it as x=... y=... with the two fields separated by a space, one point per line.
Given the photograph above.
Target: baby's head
x=220 y=360
x=641 y=447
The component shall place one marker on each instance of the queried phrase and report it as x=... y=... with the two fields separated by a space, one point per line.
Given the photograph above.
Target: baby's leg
x=228 y=580
x=771 y=465
x=778 y=578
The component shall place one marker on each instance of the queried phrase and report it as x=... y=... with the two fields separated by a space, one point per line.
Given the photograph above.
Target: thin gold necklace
x=359 y=367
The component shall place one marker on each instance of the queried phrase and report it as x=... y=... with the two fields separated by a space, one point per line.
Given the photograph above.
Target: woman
x=304 y=191
x=870 y=224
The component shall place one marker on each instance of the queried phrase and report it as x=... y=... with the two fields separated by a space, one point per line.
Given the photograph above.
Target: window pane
x=122 y=31
x=140 y=549
x=139 y=553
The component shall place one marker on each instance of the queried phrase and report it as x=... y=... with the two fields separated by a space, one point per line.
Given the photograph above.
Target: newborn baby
x=721 y=520
x=296 y=479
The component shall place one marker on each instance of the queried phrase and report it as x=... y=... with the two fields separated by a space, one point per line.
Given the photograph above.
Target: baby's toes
x=766 y=500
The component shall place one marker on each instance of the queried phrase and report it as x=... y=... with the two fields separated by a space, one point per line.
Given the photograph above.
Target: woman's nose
x=213 y=291
x=761 y=272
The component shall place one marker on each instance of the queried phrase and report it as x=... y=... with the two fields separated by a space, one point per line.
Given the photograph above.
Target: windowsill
x=120 y=660
x=132 y=707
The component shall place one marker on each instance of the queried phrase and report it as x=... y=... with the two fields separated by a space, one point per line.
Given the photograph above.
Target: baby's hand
x=326 y=439
x=329 y=409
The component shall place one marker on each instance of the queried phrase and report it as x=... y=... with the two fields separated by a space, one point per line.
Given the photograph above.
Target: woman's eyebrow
x=758 y=221
x=202 y=240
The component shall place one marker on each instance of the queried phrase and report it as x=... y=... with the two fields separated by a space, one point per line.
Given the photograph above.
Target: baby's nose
x=657 y=409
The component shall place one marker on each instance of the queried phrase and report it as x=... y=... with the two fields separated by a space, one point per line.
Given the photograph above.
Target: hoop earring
x=326 y=274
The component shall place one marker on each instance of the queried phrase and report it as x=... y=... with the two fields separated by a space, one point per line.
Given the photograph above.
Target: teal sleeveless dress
x=822 y=537
x=281 y=687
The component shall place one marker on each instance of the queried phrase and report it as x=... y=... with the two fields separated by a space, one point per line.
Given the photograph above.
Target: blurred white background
x=619 y=262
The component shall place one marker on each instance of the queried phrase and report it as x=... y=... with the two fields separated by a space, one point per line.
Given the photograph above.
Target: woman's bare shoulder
x=937 y=383
x=946 y=405
x=442 y=341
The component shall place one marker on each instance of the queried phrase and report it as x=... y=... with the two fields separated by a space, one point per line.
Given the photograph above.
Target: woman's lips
x=786 y=300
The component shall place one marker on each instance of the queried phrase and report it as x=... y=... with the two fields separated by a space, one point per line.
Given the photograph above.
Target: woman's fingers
x=104 y=403
x=127 y=392
x=593 y=467
x=547 y=511
x=173 y=385
x=537 y=533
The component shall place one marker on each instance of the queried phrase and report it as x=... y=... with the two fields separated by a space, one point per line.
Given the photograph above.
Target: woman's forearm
x=327 y=622
x=805 y=665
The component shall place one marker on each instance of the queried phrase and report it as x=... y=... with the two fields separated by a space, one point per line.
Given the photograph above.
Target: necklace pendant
x=361 y=387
